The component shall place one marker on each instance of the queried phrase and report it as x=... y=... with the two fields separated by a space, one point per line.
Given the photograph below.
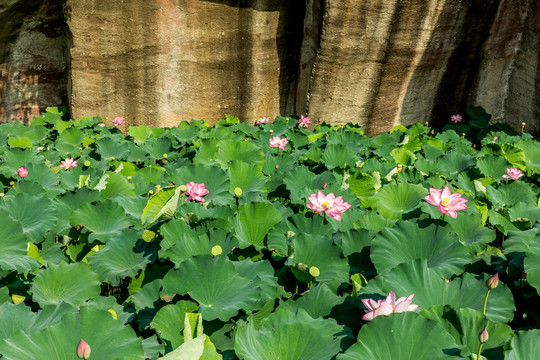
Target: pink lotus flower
x=513 y=173
x=331 y=205
x=22 y=172
x=447 y=202
x=68 y=163
x=118 y=121
x=387 y=306
x=456 y=118
x=262 y=120
x=102 y=124
x=304 y=121
x=83 y=350
x=196 y=191
x=278 y=142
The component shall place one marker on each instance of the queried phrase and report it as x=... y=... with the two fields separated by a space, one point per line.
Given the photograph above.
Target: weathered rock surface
x=376 y=63
x=34 y=58
x=160 y=62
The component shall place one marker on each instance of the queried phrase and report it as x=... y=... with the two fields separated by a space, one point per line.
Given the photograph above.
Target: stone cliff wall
x=34 y=58
x=376 y=63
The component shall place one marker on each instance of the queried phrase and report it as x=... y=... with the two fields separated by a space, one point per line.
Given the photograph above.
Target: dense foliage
x=111 y=247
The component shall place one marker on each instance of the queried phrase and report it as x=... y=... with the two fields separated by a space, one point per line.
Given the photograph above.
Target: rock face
x=34 y=58
x=160 y=62
x=376 y=63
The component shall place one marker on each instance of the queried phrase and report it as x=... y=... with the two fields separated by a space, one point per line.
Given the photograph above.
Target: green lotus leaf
x=22 y=142
x=317 y=302
x=139 y=133
x=531 y=151
x=523 y=345
x=162 y=205
x=36 y=214
x=70 y=283
x=110 y=146
x=42 y=174
x=148 y=177
x=372 y=221
x=354 y=241
x=465 y=324
x=15 y=317
x=72 y=137
x=229 y=150
x=509 y=194
x=352 y=140
x=468 y=227
x=117 y=185
x=199 y=348
x=403 y=156
x=385 y=139
x=13 y=246
x=394 y=200
x=35 y=133
x=454 y=163
x=514 y=156
x=121 y=257
x=286 y=335
x=214 y=179
x=180 y=242
x=247 y=177
x=169 y=322
x=69 y=202
x=103 y=219
x=433 y=151
x=132 y=205
x=387 y=337
x=525 y=211
x=309 y=224
x=431 y=288
x=532 y=264
x=363 y=186
x=12 y=159
x=214 y=283
x=338 y=156
x=147 y=296
x=302 y=183
x=59 y=341
x=265 y=272
x=318 y=251
x=156 y=147
x=253 y=221
x=493 y=166
x=408 y=241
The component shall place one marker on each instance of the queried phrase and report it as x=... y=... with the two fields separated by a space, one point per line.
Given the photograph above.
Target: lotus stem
x=479 y=351
x=485 y=301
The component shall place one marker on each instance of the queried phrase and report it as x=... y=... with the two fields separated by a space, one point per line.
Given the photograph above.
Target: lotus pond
x=281 y=240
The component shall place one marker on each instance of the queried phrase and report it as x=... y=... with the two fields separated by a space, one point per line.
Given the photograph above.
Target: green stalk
x=479 y=351
x=485 y=302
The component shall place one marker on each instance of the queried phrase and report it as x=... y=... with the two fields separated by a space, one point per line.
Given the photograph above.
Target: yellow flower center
x=325 y=205
x=445 y=202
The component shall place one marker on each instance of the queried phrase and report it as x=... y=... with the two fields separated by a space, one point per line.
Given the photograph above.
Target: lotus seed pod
x=216 y=250
x=238 y=191
x=113 y=313
x=151 y=192
x=314 y=271
x=148 y=235
x=17 y=299
x=83 y=350
x=87 y=163
x=165 y=155
x=183 y=188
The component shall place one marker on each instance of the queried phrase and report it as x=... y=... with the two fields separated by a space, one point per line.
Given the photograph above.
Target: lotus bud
x=493 y=281
x=83 y=350
x=22 y=172
x=483 y=336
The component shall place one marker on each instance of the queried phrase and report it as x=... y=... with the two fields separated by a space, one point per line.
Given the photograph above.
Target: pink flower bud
x=493 y=281
x=483 y=336
x=22 y=172
x=83 y=350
